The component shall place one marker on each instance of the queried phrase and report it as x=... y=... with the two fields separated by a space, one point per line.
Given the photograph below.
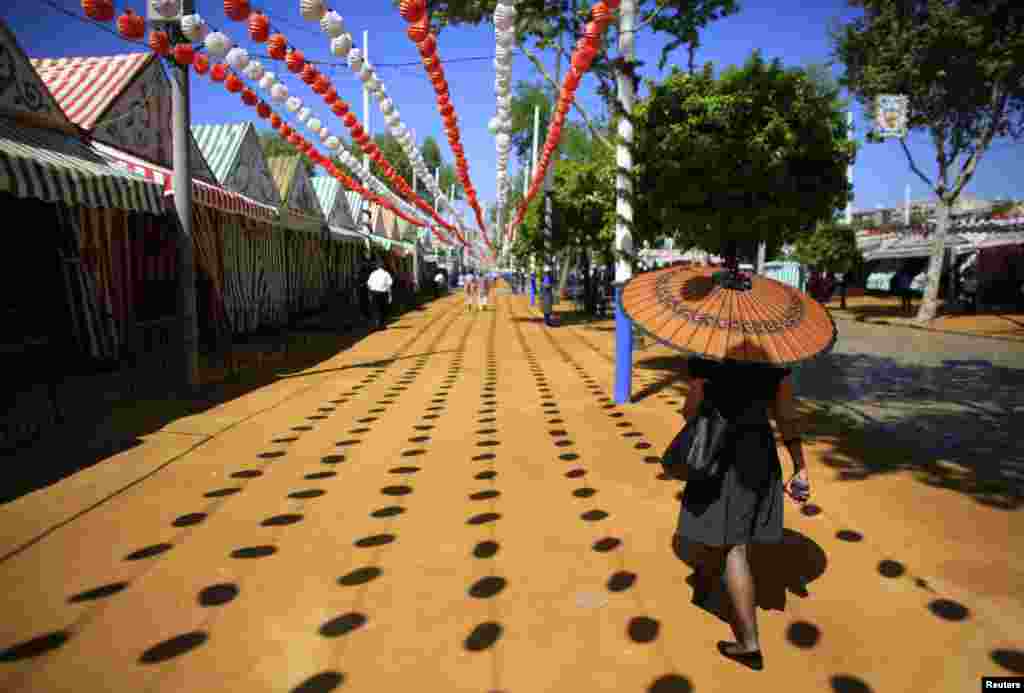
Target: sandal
x=730 y=650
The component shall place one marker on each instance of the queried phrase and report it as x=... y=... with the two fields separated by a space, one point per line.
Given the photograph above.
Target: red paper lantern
x=331 y=96
x=418 y=31
x=262 y=110
x=442 y=100
x=236 y=10
x=219 y=72
x=259 y=27
x=451 y=121
x=613 y=4
x=93 y=9
x=309 y=74
x=159 y=42
x=357 y=131
x=350 y=120
x=572 y=80
x=321 y=84
x=200 y=63
x=277 y=45
x=249 y=97
x=427 y=46
x=275 y=121
x=447 y=110
x=295 y=60
x=363 y=140
x=339 y=108
x=131 y=26
x=376 y=156
x=412 y=10
x=294 y=139
x=593 y=33
x=285 y=130
x=432 y=64
x=184 y=54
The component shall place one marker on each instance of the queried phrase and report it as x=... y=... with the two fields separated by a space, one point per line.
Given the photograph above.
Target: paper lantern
x=268 y=81
x=505 y=17
x=418 y=31
x=285 y=130
x=447 y=110
x=94 y=9
x=259 y=27
x=350 y=120
x=427 y=46
x=237 y=58
x=184 y=54
x=262 y=110
x=293 y=103
x=275 y=121
x=249 y=97
x=341 y=45
x=295 y=60
x=312 y=10
x=165 y=8
x=131 y=26
x=277 y=45
x=219 y=72
x=309 y=74
x=321 y=84
x=236 y=10
x=332 y=24
x=194 y=28
x=365 y=72
x=355 y=59
x=613 y=4
x=200 y=63
x=332 y=143
x=331 y=95
x=233 y=84
x=279 y=93
x=340 y=107
x=304 y=114
x=593 y=33
x=506 y=38
x=159 y=42
x=356 y=130
x=294 y=139
x=412 y=10
x=218 y=44
x=324 y=134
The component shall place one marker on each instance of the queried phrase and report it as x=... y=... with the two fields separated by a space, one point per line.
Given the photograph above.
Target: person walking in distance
x=438 y=284
x=379 y=285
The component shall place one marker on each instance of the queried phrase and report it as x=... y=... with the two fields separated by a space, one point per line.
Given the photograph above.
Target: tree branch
x=967 y=171
x=913 y=166
x=579 y=109
x=650 y=18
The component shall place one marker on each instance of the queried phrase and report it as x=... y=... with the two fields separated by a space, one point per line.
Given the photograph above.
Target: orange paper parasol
x=727 y=316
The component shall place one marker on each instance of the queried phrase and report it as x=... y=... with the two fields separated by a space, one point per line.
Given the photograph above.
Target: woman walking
x=739 y=370
x=485 y=288
x=470 y=288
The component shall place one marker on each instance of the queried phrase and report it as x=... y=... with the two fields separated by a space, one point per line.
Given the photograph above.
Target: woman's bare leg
x=740 y=583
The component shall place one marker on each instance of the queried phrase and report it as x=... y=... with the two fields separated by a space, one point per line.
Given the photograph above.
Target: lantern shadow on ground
x=779 y=569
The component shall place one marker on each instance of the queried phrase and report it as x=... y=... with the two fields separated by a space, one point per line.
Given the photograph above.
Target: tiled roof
x=86 y=87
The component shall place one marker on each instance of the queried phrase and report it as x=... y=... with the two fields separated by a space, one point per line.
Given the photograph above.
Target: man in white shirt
x=379 y=285
x=438 y=284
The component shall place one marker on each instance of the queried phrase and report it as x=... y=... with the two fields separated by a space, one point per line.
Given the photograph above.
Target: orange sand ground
x=463 y=509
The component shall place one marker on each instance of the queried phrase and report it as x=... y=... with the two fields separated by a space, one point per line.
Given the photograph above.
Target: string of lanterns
x=501 y=124
x=415 y=12
x=582 y=57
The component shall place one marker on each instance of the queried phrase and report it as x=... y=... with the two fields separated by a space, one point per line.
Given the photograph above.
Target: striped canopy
x=55 y=167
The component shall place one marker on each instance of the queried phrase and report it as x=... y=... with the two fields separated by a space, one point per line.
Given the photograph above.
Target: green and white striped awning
x=54 y=167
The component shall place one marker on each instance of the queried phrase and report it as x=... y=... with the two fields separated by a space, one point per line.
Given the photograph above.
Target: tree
x=273 y=144
x=832 y=247
x=961 y=65
x=758 y=154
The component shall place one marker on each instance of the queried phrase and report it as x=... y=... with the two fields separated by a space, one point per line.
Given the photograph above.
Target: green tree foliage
x=758 y=154
x=273 y=144
x=961 y=64
x=831 y=247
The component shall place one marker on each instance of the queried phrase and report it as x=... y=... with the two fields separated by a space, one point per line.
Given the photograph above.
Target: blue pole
x=623 y=352
x=533 y=290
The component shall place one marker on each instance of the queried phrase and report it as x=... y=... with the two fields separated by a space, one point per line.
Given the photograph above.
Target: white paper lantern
x=268 y=81
x=332 y=24
x=218 y=44
x=312 y=10
x=355 y=59
x=324 y=133
x=304 y=114
x=400 y=131
x=332 y=143
x=365 y=72
x=341 y=45
x=254 y=70
x=165 y=8
x=293 y=104
x=506 y=38
x=392 y=118
x=493 y=125
x=500 y=64
x=502 y=140
x=194 y=28
x=279 y=93
x=387 y=107
x=315 y=125
x=237 y=58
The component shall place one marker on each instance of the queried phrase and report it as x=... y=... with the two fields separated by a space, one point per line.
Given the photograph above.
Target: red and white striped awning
x=86 y=87
x=202 y=193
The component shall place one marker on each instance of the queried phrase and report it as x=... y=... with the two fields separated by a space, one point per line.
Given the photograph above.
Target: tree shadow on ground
x=107 y=415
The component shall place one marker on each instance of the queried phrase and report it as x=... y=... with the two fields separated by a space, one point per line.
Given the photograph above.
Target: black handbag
x=694 y=454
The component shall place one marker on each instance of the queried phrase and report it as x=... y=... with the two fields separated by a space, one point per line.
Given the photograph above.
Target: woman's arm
x=694 y=396
x=786 y=420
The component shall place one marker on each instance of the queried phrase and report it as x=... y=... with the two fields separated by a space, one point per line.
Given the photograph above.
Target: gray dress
x=743 y=505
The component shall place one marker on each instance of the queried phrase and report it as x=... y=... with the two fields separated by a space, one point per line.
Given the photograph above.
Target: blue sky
x=791 y=30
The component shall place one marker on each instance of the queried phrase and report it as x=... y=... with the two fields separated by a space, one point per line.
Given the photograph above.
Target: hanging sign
x=891 y=115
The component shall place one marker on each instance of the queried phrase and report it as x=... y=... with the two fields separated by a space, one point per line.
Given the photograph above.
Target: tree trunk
x=588 y=285
x=930 y=303
x=563 y=276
